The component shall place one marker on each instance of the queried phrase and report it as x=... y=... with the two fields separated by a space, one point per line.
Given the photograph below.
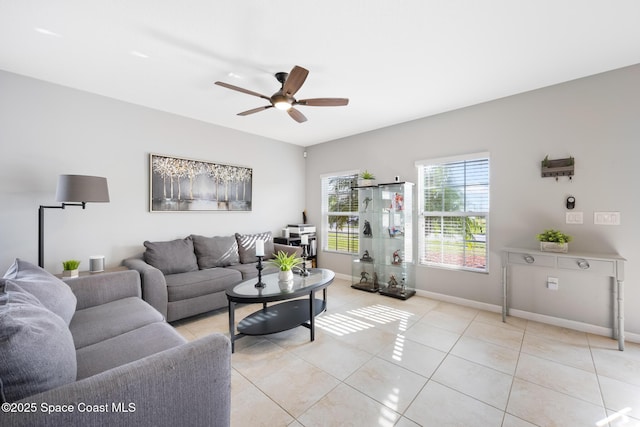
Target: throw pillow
x=52 y=292
x=217 y=251
x=175 y=256
x=36 y=347
x=247 y=246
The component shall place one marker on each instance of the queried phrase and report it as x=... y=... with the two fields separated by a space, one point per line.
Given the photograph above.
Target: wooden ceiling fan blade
x=296 y=115
x=243 y=90
x=324 y=102
x=254 y=110
x=294 y=81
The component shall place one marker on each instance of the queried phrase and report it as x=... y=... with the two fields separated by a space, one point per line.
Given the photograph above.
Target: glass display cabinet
x=363 y=271
x=384 y=262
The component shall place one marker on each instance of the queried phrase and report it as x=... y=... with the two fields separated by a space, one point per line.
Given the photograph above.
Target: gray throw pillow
x=247 y=246
x=175 y=256
x=52 y=292
x=217 y=251
x=36 y=347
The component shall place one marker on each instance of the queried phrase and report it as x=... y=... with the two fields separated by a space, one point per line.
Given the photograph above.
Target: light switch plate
x=574 y=217
x=606 y=218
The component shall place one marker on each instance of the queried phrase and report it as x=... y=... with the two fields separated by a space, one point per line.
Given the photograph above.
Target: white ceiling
x=396 y=60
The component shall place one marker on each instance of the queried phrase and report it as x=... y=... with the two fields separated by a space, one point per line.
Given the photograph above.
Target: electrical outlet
x=574 y=217
x=606 y=218
x=552 y=283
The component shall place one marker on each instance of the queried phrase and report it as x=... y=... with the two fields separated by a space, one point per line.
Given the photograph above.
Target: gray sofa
x=91 y=352
x=185 y=277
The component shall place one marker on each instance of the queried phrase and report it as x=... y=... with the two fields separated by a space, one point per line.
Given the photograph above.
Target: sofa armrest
x=101 y=288
x=154 y=285
x=188 y=385
x=297 y=250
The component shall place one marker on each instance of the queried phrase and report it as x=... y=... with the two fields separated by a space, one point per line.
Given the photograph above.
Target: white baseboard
x=343 y=276
x=460 y=301
x=542 y=318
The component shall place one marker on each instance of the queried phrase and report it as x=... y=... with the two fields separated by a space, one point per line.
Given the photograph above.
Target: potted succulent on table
x=554 y=241
x=366 y=178
x=285 y=263
x=70 y=268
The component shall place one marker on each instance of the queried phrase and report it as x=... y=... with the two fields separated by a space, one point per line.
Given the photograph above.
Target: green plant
x=367 y=175
x=545 y=161
x=284 y=261
x=553 y=236
x=71 y=264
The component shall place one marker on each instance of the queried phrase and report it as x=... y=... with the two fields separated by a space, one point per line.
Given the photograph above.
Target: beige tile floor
x=378 y=361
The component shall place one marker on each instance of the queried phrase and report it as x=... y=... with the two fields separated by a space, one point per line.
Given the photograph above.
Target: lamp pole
x=41 y=227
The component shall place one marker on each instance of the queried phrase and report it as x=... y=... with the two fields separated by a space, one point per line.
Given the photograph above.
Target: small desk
x=610 y=265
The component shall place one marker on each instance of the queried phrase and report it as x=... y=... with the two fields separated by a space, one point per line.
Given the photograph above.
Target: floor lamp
x=73 y=190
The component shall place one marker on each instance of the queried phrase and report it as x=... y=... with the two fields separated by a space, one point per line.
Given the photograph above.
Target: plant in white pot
x=554 y=241
x=285 y=263
x=70 y=268
x=366 y=178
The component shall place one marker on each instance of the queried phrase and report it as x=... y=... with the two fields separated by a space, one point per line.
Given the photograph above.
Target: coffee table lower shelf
x=280 y=317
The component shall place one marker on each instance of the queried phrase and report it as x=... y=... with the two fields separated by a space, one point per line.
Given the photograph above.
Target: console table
x=610 y=265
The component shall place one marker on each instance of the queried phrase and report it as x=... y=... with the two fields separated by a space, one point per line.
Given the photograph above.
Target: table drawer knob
x=529 y=259
x=583 y=264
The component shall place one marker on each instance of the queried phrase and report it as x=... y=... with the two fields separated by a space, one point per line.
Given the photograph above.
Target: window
x=340 y=213
x=453 y=198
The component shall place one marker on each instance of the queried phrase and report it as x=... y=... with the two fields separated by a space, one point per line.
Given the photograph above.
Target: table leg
x=312 y=322
x=504 y=293
x=620 y=315
x=232 y=324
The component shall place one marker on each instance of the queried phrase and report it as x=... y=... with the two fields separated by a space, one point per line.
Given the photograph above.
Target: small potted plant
x=554 y=241
x=366 y=178
x=285 y=263
x=70 y=268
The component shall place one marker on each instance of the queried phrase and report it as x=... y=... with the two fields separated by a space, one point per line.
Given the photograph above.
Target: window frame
x=422 y=240
x=325 y=228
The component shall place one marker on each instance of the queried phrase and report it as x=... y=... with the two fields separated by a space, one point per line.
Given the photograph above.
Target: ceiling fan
x=283 y=99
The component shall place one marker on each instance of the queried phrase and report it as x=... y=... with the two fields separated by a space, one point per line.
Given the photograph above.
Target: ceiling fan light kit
x=283 y=99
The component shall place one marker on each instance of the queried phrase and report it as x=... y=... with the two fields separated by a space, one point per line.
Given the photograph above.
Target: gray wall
x=47 y=130
x=595 y=119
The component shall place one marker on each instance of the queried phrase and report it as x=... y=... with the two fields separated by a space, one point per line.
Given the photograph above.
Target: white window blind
x=454 y=212
x=340 y=212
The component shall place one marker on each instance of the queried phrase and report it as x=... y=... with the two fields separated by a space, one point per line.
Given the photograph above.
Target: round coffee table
x=283 y=316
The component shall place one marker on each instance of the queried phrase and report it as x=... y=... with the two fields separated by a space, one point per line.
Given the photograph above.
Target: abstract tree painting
x=192 y=185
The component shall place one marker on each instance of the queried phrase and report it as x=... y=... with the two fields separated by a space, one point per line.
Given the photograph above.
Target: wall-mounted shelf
x=557 y=167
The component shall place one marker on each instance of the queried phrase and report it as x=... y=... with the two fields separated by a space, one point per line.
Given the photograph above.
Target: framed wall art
x=183 y=185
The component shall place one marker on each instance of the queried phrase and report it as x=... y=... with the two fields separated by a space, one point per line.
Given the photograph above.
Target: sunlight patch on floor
x=339 y=324
x=620 y=416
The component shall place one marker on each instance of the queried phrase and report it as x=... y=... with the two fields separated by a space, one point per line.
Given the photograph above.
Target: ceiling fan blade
x=323 y=102
x=294 y=81
x=296 y=115
x=255 y=110
x=239 y=89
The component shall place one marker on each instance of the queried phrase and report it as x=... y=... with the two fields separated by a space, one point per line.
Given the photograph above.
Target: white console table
x=610 y=265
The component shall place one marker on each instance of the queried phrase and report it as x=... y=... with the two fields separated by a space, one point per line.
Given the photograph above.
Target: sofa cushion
x=217 y=251
x=197 y=283
x=247 y=246
x=250 y=271
x=175 y=256
x=127 y=347
x=52 y=292
x=104 y=321
x=36 y=347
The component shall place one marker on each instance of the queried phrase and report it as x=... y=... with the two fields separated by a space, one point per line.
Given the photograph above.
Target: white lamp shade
x=82 y=188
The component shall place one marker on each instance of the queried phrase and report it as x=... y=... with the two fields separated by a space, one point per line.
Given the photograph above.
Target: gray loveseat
x=185 y=277
x=91 y=352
